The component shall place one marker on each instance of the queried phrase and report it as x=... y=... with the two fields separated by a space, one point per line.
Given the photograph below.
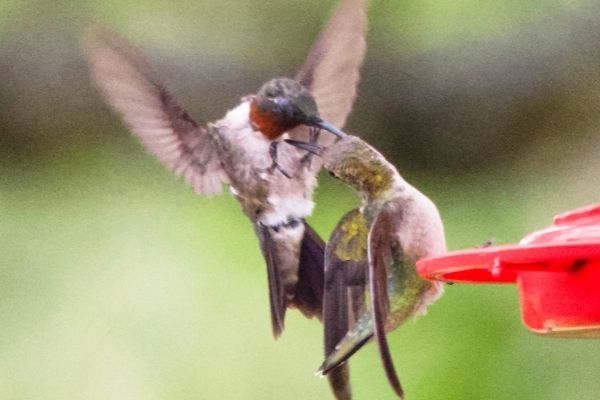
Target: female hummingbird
x=377 y=244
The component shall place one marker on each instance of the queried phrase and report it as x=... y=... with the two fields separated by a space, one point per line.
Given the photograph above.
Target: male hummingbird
x=239 y=149
x=377 y=244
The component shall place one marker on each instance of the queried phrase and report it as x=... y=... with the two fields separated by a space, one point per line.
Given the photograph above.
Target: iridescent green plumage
x=396 y=226
x=377 y=245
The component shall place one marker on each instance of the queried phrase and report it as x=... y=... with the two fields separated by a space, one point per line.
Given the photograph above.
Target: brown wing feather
x=345 y=281
x=164 y=127
x=332 y=68
x=343 y=298
x=380 y=256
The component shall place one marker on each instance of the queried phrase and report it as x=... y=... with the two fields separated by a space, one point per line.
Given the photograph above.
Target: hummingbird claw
x=283 y=172
x=306 y=160
x=310 y=147
x=275 y=165
x=314 y=135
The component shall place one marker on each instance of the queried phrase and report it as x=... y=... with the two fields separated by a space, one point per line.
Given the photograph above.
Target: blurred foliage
x=118 y=282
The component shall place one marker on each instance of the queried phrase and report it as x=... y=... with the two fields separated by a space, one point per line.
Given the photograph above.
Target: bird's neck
x=397 y=190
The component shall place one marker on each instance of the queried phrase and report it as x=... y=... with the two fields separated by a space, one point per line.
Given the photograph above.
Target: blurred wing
x=345 y=281
x=332 y=68
x=166 y=130
x=381 y=242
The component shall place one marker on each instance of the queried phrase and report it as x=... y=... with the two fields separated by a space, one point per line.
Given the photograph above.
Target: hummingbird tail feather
x=339 y=381
x=308 y=297
x=294 y=254
x=277 y=297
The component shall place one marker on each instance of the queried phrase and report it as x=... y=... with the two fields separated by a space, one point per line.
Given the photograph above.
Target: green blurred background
x=116 y=282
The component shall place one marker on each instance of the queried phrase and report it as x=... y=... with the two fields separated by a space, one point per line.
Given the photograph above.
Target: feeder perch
x=557 y=271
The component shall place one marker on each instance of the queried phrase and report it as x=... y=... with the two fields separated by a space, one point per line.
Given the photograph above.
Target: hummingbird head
x=356 y=163
x=282 y=104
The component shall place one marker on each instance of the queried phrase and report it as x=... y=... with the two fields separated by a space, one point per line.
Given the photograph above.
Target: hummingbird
x=245 y=149
x=375 y=246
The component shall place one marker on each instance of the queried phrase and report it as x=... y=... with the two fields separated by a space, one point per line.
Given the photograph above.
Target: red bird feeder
x=557 y=270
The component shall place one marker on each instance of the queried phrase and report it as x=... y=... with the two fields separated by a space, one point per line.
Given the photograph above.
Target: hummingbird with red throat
x=272 y=181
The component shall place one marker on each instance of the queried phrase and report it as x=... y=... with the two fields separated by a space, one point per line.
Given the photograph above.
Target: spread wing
x=332 y=68
x=345 y=282
x=381 y=257
x=150 y=111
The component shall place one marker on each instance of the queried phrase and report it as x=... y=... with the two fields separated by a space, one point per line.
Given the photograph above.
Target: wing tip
x=339 y=381
x=324 y=369
x=338 y=357
x=388 y=364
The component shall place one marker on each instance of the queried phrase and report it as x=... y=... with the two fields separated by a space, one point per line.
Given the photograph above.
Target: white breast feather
x=237 y=130
x=287 y=207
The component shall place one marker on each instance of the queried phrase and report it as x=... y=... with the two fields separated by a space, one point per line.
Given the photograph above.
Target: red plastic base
x=556 y=269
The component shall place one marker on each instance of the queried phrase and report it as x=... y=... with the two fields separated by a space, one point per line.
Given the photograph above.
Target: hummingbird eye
x=272 y=92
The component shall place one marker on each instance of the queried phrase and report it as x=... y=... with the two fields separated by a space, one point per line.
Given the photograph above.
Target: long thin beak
x=310 y=147
x=321 y=123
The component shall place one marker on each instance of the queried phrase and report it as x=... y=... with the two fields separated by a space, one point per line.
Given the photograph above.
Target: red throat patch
x=264 y=122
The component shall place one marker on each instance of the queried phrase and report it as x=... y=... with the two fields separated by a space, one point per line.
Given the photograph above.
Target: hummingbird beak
x=321 y=123
x=310 y=147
